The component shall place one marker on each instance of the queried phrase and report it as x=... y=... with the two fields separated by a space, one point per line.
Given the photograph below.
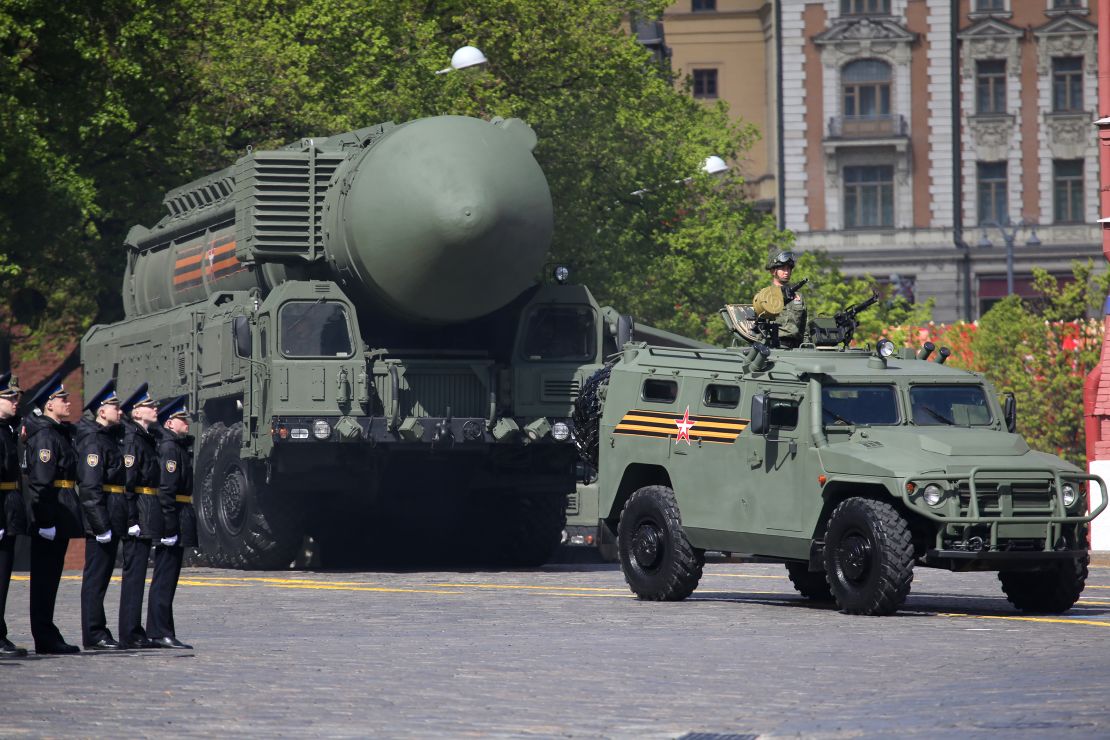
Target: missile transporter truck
x=356 y=323
x=851 y=466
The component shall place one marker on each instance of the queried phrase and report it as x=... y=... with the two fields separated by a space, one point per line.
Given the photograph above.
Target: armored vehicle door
x=774 y=463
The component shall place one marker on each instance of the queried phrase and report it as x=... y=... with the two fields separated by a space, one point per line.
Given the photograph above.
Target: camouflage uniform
x=793 y=323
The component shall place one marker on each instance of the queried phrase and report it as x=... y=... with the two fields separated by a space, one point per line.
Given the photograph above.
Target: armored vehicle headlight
x=560 y=431
x=885 y=347
x=562 y=274
x=321 y=429
x=933 y=494
x=299 y=433
x=1070 y=494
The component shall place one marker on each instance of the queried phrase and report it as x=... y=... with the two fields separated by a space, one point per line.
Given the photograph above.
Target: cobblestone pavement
x=566 y=651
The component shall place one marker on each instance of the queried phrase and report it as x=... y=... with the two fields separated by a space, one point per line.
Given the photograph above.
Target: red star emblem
x=684 y=427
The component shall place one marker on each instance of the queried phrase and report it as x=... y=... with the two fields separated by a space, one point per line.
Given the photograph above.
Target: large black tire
x=530 y=527
x=813 y=586
x=256 y=526
x=204 y=500
x=658 y=562
x=587 y=416
x=1052 y=591
x=868 y=557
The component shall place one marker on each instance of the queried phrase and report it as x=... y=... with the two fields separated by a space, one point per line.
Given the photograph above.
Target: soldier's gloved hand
x=105 y=538
x=787 y=294
x=1 y=534
x=48 y=534
x=133 y=530
x=169 y=541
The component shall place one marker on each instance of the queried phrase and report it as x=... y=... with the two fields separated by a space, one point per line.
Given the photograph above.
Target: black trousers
x=48 y=559
x=136 y=554
x=163 y=586
x=7 y=558
x=100 y=560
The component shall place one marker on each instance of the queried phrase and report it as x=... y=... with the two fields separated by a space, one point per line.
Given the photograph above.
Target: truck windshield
x=314 y=329
x=949 y=405
x=859 y=404
x=560 y=333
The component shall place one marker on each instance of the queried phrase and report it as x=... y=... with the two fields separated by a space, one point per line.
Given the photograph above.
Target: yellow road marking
x=742 y=575
x=1046 y=620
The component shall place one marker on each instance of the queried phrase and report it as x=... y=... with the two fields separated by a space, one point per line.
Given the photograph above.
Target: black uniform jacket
x=100 y=478
x=13 y=512
x=51 y=466
x=142 y=473
x=175 y=488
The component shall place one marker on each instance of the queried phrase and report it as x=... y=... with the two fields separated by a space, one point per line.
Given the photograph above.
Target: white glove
x=133 y=530
x=1 y=534
x=169 y=541
x=105 y=538
x=48 y=534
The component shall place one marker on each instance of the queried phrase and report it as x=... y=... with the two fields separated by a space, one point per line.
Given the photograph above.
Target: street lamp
x=1009 y=232
x=465 y=56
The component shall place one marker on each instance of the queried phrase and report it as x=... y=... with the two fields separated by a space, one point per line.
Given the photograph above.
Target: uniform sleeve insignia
x=171 y=465
x=92 y=460
x=44 y=455
x=128 y=460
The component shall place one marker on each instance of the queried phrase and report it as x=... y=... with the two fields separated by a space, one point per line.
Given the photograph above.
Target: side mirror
x=758 y=424
x=626 y=327
x=241 y=333
x=1009 y=411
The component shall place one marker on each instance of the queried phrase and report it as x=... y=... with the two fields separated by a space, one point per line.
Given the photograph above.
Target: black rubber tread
x=587 y=416
x=889 y=571
x=531 y=527
x=813 y=586
x=680 y=565
x=271 y=531
x=1052 y=591
x=208 y=553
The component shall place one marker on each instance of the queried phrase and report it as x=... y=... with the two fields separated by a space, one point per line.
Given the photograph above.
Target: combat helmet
x=782 y=258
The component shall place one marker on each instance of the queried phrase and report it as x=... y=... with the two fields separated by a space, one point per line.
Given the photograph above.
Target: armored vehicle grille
x=560 y=390
x=1017 y=499
x=280 y=205
x=428 y=394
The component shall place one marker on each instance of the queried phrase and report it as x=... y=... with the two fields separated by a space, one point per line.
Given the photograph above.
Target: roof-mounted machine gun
x=827 y=331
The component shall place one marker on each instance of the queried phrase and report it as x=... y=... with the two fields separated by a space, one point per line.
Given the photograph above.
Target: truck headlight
x=321 y=429
x=933 y=494
x=560 y=431
x=1070 y=495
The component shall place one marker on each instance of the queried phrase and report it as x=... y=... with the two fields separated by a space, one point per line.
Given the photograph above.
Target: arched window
x=866 y=85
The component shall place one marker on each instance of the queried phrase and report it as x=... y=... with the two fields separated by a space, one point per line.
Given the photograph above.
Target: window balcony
x=868 y=127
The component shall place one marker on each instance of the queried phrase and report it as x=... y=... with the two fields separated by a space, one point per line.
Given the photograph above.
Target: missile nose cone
x=448 y=219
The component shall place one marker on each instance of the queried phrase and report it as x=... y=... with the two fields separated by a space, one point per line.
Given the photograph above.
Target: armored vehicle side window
x=783 y=413
x=314 y=329
x=241 y=331
x=859 y=404
x=949 y=405
x=722 y=396
x=563 y=333
x=660 y=391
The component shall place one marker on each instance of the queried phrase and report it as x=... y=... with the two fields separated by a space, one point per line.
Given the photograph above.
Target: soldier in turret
x=51 y=465
x=100 y=484
x=177 y=528
x=13 y=516
x=140 y=464
x=783 y=301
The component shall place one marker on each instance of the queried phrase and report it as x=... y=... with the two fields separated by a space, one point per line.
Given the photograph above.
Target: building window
x=1067 y=3
x=705 y=83
x=990 y=86
x=992 y=192
x=869 y=196
x=865 y=7
x=1067 y=84
x=1067 y=187
x=990 y=6
x=703 y=6
x=866 y=89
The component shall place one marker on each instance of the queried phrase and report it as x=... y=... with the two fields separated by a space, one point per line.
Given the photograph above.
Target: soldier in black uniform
x=177 y=528
x=13 y=517
x=100 y=485
x=51 y=466
x=140 y=464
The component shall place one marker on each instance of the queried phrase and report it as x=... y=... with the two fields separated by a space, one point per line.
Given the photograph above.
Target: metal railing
x=868 y=127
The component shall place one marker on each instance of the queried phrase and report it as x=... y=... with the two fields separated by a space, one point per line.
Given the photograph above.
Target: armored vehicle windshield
x=859 y=404
x=951 y=405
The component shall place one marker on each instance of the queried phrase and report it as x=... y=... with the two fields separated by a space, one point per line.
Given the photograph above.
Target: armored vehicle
x=356 y=320
x=851 y=466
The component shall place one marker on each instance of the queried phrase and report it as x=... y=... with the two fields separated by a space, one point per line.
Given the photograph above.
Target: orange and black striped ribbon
x=664 y=425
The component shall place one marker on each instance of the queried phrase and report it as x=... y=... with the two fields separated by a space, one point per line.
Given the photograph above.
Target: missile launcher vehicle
x=850 y=465
x=357 y=325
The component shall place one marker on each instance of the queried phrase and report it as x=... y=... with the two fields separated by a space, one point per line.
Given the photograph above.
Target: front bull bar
x=975 y=516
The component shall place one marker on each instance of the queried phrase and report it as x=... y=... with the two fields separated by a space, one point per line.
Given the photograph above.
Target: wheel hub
x=231 y=502
x=854 y=554
x=646 y=545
